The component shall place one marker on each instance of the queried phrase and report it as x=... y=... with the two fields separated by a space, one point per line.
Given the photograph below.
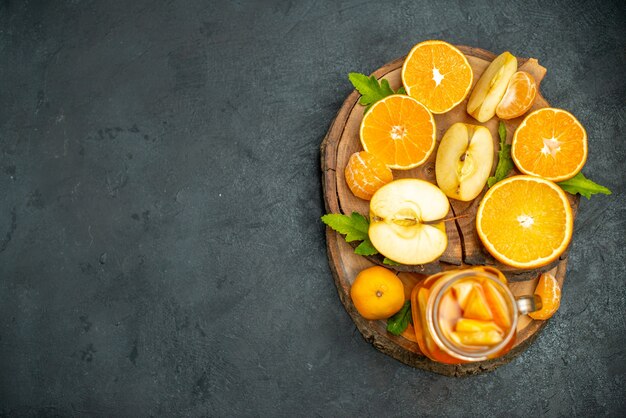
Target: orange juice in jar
x=467 y=315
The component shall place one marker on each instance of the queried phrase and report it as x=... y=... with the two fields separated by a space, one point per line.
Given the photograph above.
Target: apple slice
x=491 y=87
x=462 y=290
x=401 y=213
x=464 y=161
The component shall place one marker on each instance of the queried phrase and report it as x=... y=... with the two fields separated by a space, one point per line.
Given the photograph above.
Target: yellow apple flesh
x=464 y=161
x=400 y=216
x=491 y=87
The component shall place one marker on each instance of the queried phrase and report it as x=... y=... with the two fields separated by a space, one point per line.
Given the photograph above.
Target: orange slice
x=519 y=96
x=550 y=143
x=437 y=74
x=474 y=325
x=476 y=306
x=477 y=338
x=497 y=304
x=549 y=291
x=365 y=174
x=525 y=222
x=400 y=131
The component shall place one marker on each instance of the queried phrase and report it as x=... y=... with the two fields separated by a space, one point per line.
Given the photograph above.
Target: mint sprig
x=390 y=262
x=505 y=162
x=371 y=90
x=400 y=321
x=582 y=185
x=354 y=227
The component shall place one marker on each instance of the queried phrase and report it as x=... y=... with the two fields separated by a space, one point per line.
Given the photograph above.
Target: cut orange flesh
x=476 y=306
x=550 y=143
x=497 y=304
x=549 y=291
x=480 y=338
x=437 y=74
x=399 y=131
x=525 y=222
x=365 y=174
x=519 y=96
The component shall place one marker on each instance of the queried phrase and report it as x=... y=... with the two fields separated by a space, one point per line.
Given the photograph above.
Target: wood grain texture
x=464 y=247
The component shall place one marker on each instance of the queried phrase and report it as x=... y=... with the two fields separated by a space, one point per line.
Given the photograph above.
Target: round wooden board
x=464 y=247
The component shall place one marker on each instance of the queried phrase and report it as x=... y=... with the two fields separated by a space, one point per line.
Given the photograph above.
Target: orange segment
x=399 y=131
x=476 y=307
x=365 y=174
x=550 y=143
x=497 y=304
x=437 y=74
x=473 y=325
x=477 y=338
x=519 y=96
x=525 y=222
x=549 y=291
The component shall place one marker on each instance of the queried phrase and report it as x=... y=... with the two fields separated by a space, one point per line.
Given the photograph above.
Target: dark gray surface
x=160 y=249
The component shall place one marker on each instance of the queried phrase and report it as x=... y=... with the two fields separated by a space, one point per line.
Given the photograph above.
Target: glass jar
x=467 y=315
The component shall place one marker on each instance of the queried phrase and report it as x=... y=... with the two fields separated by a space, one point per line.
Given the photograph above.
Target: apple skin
x=491 y=87
x=398 y=212
x=464 y=161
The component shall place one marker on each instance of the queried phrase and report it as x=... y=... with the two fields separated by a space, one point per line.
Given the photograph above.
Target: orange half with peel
x=550 y=143
x=438 y=75
x=399 y=131
x=525 y=221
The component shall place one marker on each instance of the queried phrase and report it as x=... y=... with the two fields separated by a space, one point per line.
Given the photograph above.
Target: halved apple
x=464 y=161
x=491 y=87
x=401 y=213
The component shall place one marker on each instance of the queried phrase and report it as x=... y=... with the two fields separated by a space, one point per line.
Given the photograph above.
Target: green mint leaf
x=401 y=90
x=390 y=262
x=369 y=87
x=581 y=184
x=505 y=163
x=502 y=132
x=366 y=248
x=398 y=323
x=354 y=227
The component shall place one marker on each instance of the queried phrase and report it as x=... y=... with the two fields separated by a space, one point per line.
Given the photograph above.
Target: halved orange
x=525 y=221
x=365 y=174
x=400 y=131
x=437 y=74
x=518 y=97
x=550 y=143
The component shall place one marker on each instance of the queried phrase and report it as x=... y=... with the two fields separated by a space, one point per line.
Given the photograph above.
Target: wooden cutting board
x=464 y=247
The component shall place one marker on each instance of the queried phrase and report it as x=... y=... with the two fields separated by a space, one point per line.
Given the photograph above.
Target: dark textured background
x=160 y=245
